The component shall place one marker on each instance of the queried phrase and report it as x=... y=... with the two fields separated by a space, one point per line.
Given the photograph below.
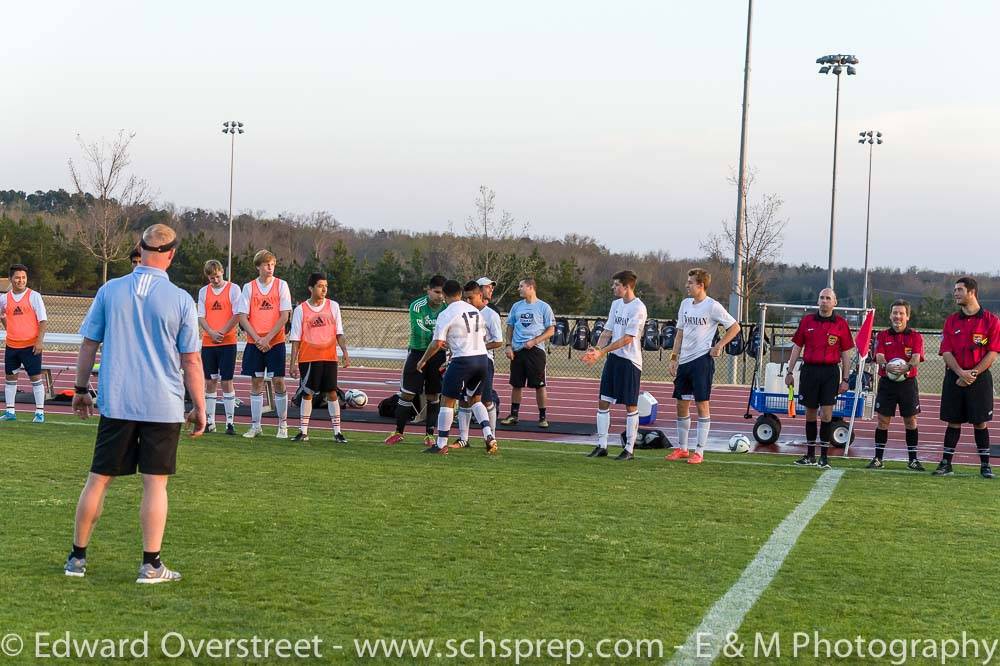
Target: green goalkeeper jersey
x=423 y=317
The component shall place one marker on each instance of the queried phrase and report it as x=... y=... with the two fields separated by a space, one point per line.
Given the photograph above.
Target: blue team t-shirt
x=529 y=320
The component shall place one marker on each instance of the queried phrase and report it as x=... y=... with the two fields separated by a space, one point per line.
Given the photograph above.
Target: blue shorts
x=465 y=377
x=620 y=381
x=22 y=358
x=487 y=387
x=694 y=379
x=219 y=362
x=256 y=362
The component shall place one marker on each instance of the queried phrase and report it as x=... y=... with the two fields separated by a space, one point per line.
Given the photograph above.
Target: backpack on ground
x=387 y=406
x=650 y=439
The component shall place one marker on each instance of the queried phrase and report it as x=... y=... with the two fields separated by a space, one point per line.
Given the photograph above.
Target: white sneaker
x=253 y=432
x=149 y=575
x=210 y=427
x=282 y=432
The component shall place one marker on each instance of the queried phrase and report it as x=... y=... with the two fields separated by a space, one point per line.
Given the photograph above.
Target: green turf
x=277 y=539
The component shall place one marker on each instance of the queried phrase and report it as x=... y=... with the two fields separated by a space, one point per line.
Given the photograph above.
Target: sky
x=619 y=121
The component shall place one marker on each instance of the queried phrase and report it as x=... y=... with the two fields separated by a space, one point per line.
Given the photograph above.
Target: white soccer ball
x=897 y=369
x=739 y=444
x=356 y=398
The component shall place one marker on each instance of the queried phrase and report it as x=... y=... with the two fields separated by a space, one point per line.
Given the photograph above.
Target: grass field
x=361 y=542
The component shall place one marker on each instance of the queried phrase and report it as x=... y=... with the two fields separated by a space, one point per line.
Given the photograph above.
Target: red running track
x=575 y=400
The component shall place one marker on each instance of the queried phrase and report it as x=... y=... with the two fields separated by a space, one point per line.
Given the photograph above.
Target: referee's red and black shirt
x=903 y=344
x=823 y=339
x=970 y=337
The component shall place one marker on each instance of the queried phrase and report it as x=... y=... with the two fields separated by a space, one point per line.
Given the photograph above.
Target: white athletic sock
x=229 y=404
x=445 y=417
x=333 y=409
x=631 y=429
x=281 y=406
x=704 y=423
x=603 y=425
x=210 y=399
x=492 y=410
x=482 y=418
x=38 y=389
x=305 y=411
x=10 y=394
x=256 y=408
x=464 y=420
x=683 y=428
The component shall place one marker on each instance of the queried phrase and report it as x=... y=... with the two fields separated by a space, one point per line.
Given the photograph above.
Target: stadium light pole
x=872 y=138
x=835 y=64
x=232 y=128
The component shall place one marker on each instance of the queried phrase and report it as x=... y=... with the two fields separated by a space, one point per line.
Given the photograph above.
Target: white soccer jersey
x=699 y=322
x=462 y=327
x=235 y=296
x=494 y=328
x=628 y=319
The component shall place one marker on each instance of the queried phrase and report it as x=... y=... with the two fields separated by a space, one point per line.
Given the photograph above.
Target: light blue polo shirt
x=145 y=323
x=529 y=320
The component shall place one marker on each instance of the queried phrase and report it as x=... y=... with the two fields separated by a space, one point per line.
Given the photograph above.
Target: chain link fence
x=389 y=329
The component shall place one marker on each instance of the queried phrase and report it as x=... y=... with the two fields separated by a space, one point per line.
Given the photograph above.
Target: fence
x=389 y=329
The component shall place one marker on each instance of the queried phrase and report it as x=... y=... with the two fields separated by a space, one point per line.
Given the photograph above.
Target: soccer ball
x=356 y=398
x=897 y=369
x=739 y=444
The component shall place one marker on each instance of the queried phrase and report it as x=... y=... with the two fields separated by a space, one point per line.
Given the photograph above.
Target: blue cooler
x=647 y=408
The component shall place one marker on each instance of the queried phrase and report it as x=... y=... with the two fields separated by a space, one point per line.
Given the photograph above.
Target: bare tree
x=317 y=229
x=762 y=244
x=103 y=224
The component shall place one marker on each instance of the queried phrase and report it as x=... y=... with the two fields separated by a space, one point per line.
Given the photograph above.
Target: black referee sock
x=811 y=438
x=79 y=552
x=881 y=437
x=911 y=444
x=983 y=445
x=825 y=430
x=404 y=412
x=152 y=558
x=951 y=436
x=433 y=409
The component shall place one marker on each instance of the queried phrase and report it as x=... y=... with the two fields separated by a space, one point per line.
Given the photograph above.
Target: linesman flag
x=863 y=340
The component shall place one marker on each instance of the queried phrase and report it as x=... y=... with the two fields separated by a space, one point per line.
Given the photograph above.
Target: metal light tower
x=871 y=137
x=231 y=127
x=835 y=64
x=737 y=289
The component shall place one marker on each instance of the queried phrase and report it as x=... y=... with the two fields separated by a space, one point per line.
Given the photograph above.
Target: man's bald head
x=827 y=301
x=159 y=242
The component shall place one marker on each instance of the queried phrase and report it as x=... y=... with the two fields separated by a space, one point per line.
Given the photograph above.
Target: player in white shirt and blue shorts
x=461 y=329
x=692 y=362
x=621 y=343
x=494 y=340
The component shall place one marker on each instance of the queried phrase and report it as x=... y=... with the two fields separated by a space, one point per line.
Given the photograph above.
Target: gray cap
x=483 y=281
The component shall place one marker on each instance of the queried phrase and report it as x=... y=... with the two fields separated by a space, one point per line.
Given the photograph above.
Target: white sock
x=38 y=389
x=483 y=418
x=631 y=429
x=229 y=404
x=10 y=394
x=305 y=411
x=256 y=408
x=492 y=410
x=464 y=420
x=603 y=425
x=210 y=407
x=683 y=428
x=445 y=417
x=281 y=406
x=333 y=409
x=704 y=423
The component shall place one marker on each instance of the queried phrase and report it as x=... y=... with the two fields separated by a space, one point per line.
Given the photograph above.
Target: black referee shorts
x=124 y=446
x=967 y=404
x=818 y=385
x=903 y=395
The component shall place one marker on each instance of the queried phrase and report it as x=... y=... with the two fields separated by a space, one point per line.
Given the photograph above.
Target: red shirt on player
x=823 y=339
x=970 y=337
x=904 y=344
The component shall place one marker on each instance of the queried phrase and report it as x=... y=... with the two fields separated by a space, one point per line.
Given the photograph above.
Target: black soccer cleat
x=230 y=429
x=598 y=452
x=943 y=469
x=624 y=455
x=300 y=437
x=805 y=461
x=824 y=463
x=436 y=450
x=986 y=471
x=874 y=463
x=339 y=438
x=915 y=466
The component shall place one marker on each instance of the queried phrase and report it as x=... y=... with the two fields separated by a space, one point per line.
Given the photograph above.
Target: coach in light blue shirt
x=151 y=350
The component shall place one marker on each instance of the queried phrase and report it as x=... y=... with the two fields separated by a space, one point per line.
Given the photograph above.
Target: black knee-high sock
x=951 y=436
x=825 y=430
x=433 y=409
x=404 y=412
x=983 y=445
x=515 y=407
x=811 y=429
x=881 y=437
x=911 y=444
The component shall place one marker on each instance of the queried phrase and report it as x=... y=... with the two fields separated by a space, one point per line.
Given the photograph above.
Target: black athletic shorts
x=818 y=385
x=426 y=382
x=903 y=394
x=219 y=362
x=123 y=446
x=967 y=404
x=528 y=368
x=317 y=377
